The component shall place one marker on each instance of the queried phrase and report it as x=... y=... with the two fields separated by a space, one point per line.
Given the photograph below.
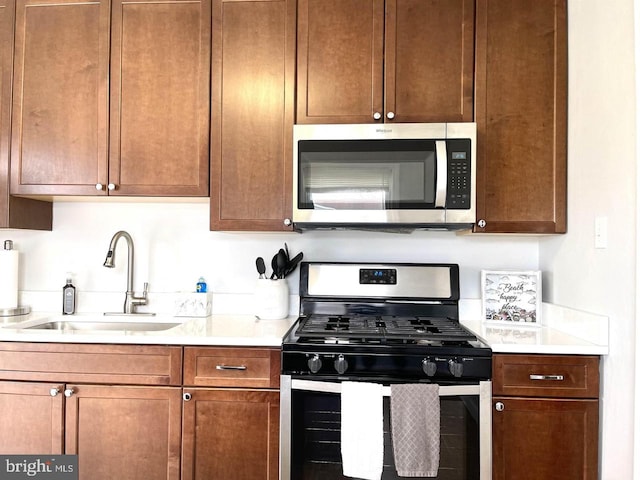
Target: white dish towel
x=415 y=429
x=361 y=433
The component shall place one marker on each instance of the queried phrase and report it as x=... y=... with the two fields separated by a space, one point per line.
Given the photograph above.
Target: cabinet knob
x=111 y=186
x=186 y=396
x=499 y=406
x=287 y=222
x=54 y=391
x=99 y=186
x=377 y=116
x=391 y=115
x=68 y=392
x=482 y=223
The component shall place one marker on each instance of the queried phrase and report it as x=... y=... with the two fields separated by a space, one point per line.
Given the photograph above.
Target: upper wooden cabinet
x=14 y=212
x=159 y=98
x=252 y=114
x=521 y=112
x=364 y=61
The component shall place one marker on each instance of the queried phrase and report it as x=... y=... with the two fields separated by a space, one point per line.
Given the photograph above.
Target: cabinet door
x=60 y=117
x=340 y=49
x=554 y=439
x=124 y=432
x=159 y=131
x=429 y=48
x=230 y=434
x=31 y=418
x=521 y=112
x=252 y=114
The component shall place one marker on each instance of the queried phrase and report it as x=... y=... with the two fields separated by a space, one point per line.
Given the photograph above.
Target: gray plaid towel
x=415 y=429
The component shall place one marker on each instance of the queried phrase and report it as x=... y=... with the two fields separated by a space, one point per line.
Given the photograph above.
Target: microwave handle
x=441 y=173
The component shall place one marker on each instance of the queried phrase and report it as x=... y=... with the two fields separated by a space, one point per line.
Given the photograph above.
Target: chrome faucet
x=130 y=301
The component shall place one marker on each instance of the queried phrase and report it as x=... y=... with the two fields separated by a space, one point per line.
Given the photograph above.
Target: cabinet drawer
x=232 y=367
x=62 y=362
x=546 y=375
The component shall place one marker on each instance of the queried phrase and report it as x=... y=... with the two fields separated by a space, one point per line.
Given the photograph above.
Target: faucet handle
x=146 y=289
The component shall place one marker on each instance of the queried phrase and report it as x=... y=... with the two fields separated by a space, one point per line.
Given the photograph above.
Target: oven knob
x=455 y=368
x=429 y=367
x=341 y=364
x=314 y=364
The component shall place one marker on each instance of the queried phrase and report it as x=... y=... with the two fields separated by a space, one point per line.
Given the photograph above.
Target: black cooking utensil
x=293 y=263
x=281 y=263
x=260 y=266
x=274 y=266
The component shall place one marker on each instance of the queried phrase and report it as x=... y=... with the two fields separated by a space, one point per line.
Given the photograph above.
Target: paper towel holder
x=12 y=312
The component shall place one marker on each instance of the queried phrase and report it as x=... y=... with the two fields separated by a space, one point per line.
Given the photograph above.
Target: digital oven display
x=383 y=276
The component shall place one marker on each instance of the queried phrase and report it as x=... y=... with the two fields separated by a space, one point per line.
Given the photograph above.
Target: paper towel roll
x=8 y=279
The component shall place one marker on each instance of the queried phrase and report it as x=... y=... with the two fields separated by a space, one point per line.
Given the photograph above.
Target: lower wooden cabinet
x=228 y=433
x=545 y=418
x=127 y=412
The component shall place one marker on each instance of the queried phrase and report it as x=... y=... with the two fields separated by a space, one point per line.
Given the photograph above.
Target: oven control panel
x=436 y=367
x=375 y=276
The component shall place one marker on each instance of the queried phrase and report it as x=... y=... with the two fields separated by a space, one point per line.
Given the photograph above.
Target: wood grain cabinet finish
x=15 y=212
x=124 y=432
x=159 y=127
x=521 y=113
x=230 y=433
x=545 y=420
x=366 y=61
x=31 y=418
x=146 y=62
x=252 y=97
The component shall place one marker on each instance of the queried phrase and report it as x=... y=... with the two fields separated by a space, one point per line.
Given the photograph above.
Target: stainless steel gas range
x=387 y=324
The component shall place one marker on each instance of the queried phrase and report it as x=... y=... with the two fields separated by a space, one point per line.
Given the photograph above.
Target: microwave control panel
x=459 y=174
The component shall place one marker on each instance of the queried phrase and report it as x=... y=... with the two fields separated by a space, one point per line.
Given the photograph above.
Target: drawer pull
x=557 y=378
x=231 y=367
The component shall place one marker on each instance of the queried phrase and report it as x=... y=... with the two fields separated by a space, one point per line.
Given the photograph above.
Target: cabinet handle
x=69 y=391
x=54 y=391
x=186 y=396
x=391 y=115
x=557 y=378
x=499 y=406
x=231 y=367
x=111 y=186
x=377 y=116
x=482 y=223
x=99 y=186
x=287 y=222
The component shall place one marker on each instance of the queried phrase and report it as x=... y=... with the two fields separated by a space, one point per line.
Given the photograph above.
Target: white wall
x=173 y=247
x=602 y=183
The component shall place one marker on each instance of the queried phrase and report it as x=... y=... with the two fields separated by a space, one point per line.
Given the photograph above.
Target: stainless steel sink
x=131 y=325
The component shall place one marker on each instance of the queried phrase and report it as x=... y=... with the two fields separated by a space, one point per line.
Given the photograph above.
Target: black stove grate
x=377 y=328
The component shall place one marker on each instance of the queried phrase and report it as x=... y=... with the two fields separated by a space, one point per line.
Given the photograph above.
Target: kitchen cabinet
x=118 y=430
x=366 y=61
x=148 y=61
x=545 y=420
x=231 y=407
x=253 y=65
x=15 y=212
x=521 y=114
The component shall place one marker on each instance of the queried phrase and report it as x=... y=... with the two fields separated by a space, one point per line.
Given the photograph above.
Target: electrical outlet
x=600 y=232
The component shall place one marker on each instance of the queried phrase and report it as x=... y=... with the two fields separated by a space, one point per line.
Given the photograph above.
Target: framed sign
x=509 y=296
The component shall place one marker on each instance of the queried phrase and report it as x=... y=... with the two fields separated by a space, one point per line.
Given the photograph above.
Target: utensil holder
x=272 y=299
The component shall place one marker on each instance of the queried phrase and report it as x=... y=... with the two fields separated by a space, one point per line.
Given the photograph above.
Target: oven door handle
x=331 y=387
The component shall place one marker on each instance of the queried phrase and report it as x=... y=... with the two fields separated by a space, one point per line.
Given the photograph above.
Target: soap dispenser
x=68 y=298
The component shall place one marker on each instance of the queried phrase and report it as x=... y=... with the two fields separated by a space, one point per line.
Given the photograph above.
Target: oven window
x=366 y=174
x=315 y=438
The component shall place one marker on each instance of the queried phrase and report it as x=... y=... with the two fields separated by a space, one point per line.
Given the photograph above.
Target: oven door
x=310 y=431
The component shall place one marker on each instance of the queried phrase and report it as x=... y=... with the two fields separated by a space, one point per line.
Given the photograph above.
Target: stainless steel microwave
x=410 y=175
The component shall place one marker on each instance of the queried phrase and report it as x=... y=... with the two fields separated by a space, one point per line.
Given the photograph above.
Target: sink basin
x=131 y=325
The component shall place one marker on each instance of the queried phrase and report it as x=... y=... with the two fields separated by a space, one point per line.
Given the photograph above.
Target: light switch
x=601 y=232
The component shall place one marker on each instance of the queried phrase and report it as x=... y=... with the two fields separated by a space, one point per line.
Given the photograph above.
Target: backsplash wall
x=173 y=247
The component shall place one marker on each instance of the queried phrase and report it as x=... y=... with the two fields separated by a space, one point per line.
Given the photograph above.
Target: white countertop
x=229 y=330
x=560 y=331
